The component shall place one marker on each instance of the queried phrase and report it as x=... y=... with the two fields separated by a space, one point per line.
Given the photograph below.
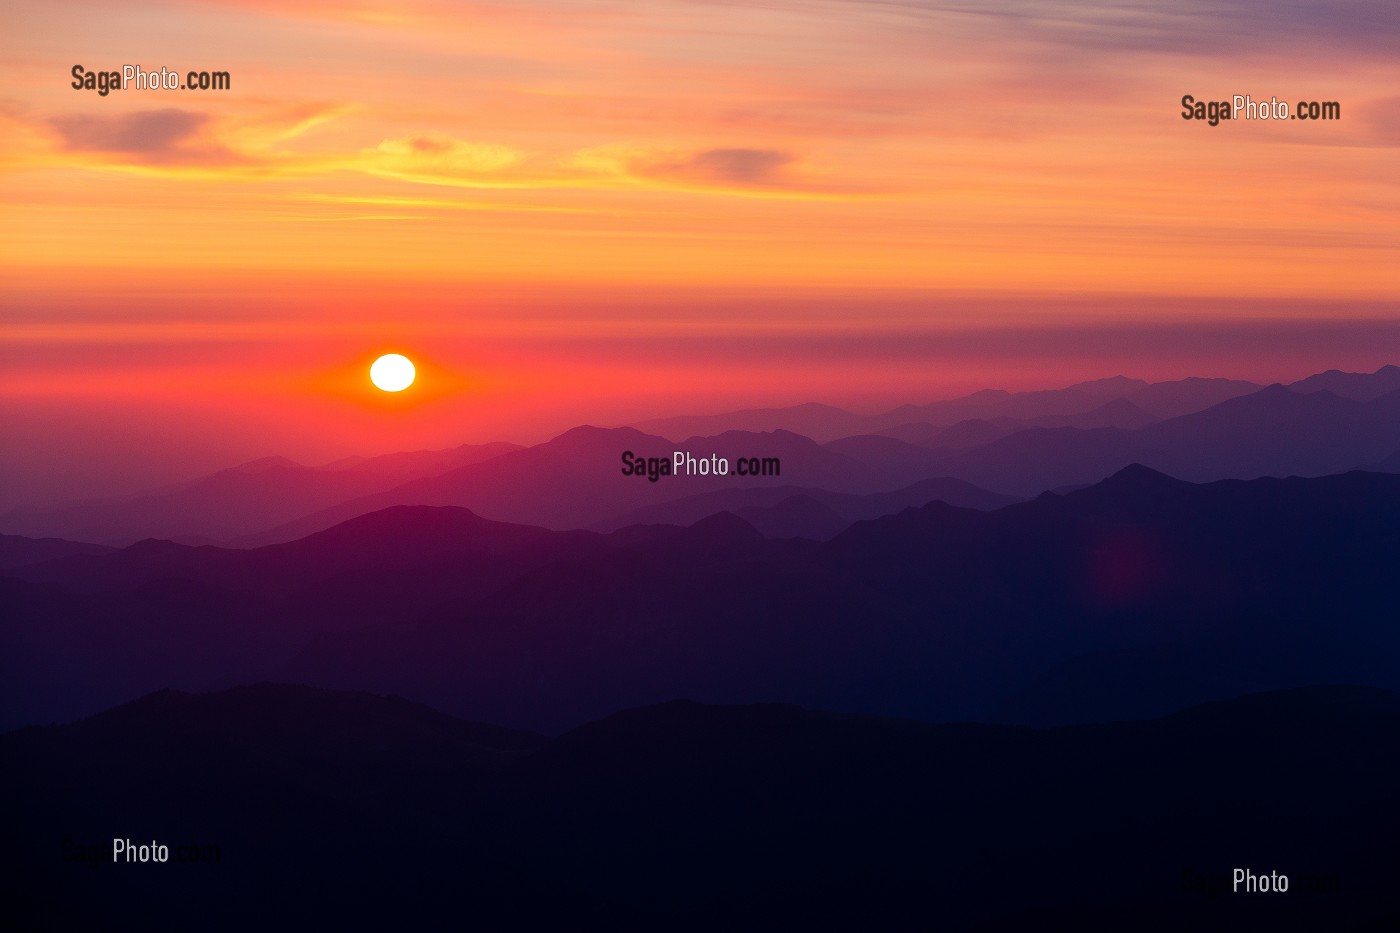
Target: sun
x=392 y=372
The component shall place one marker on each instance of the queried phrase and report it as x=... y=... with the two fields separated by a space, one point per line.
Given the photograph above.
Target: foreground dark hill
x=331 y=809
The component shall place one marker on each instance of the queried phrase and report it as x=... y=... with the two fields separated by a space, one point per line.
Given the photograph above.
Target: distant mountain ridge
x=18 y=551
x=1363 y=387
x=572 y=480
x=817 y=421
x=240 y=500
x=576 y=481
x=772 y=509
x=1015 y=444
x=825 y=423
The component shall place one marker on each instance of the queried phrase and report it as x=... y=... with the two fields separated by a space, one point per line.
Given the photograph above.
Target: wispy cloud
x=725 y=166
x=1381 y=118
x=1193 y=27
x=442 y=160
x=152 y=137
x=440 y=157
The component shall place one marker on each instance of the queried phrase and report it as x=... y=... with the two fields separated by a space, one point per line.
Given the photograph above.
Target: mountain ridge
x=695 y=816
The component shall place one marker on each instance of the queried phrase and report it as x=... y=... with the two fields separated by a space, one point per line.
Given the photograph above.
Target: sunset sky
x=581 y=211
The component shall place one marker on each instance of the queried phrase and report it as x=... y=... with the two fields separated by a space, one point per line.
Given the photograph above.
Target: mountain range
x=330 y=808
x=243 y=499
x=1133 y=597
x=1009 y=445
x=1068 y=659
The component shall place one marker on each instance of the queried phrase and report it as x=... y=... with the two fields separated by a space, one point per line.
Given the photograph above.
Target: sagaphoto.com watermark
x=1245 y=107
x=134 y=77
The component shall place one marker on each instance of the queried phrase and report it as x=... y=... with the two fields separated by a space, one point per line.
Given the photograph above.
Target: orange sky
x=586 y=211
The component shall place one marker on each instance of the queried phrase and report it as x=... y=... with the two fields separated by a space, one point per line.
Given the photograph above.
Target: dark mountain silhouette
x=795 y=517
x=1143 y=675
x=987 y=439
x=903 y=462
x=995 y=403
x=241 y=500
x=975 y=432
x=1362 y=387
x=1080 y=397
x=17 y=551
x=875 y=450
x=1142 y=405
x=1158 y=400
x=342 y=809
x=824 y=423
x=413 y=463
x=228 y=769
x=899 y=462
x=1030 y=461
x=934 y=612
x=1119 y=413
x=1279 y=432
x=395 y=538
x=820 y=422
x=801 y=457
x=88 y=630
x=1184 y=396
x=1273 y=432
x=575 y=480
x=832 y=511
x=1390 y=464
x=388 y=727
x=965 y=435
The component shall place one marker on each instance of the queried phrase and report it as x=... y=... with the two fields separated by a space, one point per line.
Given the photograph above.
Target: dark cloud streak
x=720 y=166
x=154 y=137
x=1208 y=27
